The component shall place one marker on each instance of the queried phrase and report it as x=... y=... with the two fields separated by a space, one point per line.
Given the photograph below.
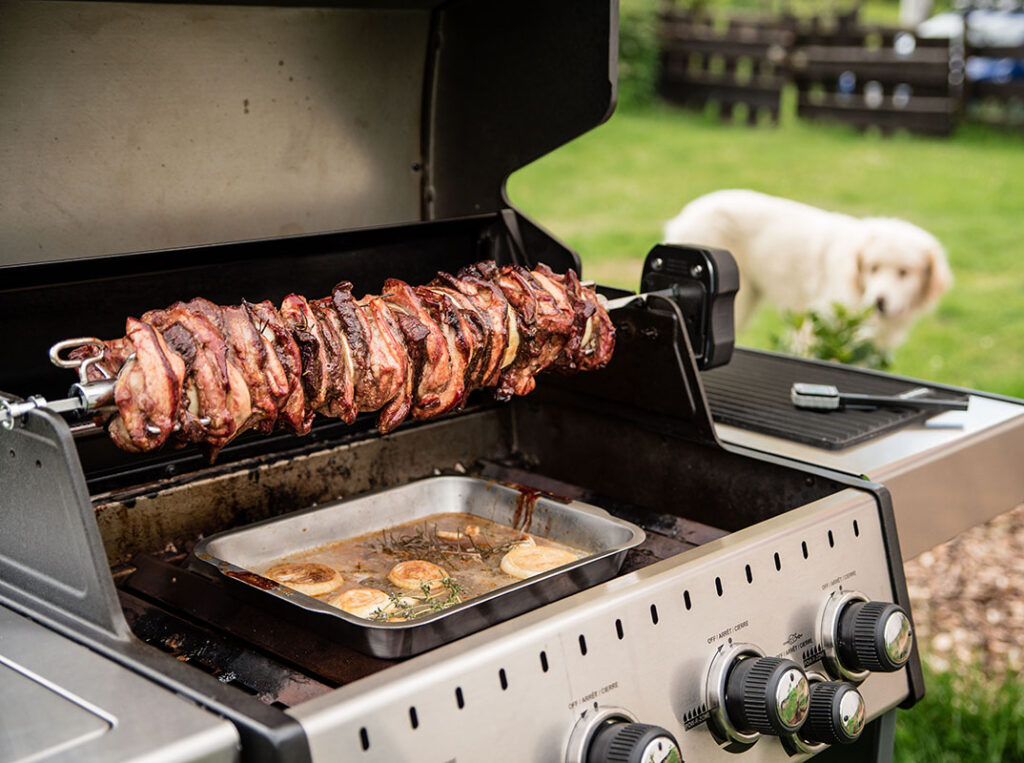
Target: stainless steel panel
x=253 y=548
x=672 y=622
x=63 y=702
x=947 y=474
x=126 y=127
x=40 y=722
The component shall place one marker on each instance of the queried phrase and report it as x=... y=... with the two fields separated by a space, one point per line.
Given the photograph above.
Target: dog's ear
x=844 y=262
x=858 y=273
x=938 y=278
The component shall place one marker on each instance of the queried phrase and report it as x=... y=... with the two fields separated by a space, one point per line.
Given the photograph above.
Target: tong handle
x=906 y=402
x=825 y=397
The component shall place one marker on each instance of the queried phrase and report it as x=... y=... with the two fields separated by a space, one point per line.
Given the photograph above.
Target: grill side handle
x=52 y=562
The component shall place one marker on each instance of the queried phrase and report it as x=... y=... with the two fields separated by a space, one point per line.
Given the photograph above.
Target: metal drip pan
x=237 y=554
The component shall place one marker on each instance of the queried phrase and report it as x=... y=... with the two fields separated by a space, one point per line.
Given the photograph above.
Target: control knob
x=836 y=714
x=769 y=695
x=859 y=636
x=873 y=635
x=624 y=742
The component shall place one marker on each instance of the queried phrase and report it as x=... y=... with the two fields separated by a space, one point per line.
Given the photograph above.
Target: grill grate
x=752 y=392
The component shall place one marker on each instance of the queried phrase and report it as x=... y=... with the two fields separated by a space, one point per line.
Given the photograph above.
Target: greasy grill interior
x=202 y=621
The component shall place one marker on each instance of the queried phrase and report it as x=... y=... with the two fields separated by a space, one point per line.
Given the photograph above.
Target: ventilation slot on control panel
x=414 y=719
x=778 y=562
x=686 y=599
x=750 y=574
x=544 y=660
x=459 y=699
x=718 y=586
x=618 y=630
x=583 y=645
x=856 y=529
x=364 y=738
x=831 y=540
x=503 y=679
x=654 y=614
x=803 y=547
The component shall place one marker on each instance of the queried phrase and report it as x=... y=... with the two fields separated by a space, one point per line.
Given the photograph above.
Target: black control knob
x=766 y=694
x=874 y=635
x=621 y=742
x=836 y=714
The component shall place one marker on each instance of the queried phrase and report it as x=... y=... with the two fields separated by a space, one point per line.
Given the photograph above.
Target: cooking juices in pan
x=419 y=567
x=361 y=539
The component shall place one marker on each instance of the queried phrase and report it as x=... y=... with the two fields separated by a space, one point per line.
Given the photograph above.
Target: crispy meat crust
x=197 y=372
x=147 y=391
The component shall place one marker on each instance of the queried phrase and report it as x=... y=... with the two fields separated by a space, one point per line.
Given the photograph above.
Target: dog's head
x=901 y=269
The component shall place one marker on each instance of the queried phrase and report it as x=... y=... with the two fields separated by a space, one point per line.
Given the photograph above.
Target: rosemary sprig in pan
x=428 y=601
x=425 y=543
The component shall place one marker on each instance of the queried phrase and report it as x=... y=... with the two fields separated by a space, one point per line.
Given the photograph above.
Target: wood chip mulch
x=967 y=597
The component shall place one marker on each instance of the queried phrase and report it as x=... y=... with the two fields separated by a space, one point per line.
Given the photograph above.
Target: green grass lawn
x=963 y=720
x=608 y=194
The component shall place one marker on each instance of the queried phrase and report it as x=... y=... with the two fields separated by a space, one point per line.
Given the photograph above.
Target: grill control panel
x=753 y=644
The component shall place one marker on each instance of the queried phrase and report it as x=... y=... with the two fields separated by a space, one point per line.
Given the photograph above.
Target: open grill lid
x=135 y=127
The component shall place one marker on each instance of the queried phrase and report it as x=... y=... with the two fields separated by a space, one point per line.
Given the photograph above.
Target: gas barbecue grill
x=765 y=611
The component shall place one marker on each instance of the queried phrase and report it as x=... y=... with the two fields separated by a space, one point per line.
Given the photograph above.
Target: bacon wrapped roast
x=201 y=373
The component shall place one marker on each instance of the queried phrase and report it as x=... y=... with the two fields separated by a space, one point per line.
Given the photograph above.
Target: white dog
x=800 y=258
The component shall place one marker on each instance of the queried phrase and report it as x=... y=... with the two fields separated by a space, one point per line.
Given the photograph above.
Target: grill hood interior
x=148 y=126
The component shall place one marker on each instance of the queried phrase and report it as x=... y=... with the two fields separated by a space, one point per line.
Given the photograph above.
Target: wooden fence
x=888 y=79
x=843 y=71
x=739 y=64
x=997 y=101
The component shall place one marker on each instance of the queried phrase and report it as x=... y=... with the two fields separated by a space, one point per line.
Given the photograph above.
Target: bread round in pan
x=526 y=561
x=310 y=578
x=412 y=575
x=361 y=602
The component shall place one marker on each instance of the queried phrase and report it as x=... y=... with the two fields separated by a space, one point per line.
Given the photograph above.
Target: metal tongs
x=825 y=397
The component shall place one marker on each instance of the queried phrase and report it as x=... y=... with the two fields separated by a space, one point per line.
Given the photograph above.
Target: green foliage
x=838 y=334
x=964 y=718
x=638 y=52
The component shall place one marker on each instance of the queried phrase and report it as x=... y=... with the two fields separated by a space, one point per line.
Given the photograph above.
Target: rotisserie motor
x=197 y=372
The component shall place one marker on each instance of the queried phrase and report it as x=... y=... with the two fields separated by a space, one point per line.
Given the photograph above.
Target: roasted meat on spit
x=197 y=372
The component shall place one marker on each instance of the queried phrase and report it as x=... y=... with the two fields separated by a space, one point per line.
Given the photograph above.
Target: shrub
x=638 y=52
x=838 y=334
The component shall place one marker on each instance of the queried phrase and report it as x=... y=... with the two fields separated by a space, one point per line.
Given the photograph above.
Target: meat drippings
x=469 y=548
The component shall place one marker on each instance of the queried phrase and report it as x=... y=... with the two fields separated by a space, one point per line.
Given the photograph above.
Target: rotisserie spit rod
x=197 y=372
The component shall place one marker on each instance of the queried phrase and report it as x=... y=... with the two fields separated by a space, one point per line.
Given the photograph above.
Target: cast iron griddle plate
x=752 y=392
